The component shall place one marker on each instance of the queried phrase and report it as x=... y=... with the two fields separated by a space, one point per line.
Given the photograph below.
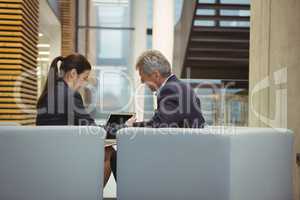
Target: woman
x=60 y=102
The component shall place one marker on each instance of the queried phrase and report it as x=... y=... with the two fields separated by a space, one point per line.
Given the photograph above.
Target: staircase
x=218 y=44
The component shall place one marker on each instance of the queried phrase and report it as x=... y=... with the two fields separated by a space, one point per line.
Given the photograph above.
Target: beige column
x=139 y=46
x=275 y=69
x=91 y=34
x=163 y=27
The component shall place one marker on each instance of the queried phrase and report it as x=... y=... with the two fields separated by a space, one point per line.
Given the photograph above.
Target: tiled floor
x=109 y=191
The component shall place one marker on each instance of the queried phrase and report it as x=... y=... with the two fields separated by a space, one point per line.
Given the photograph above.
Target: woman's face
x=77 y=81
x=81 y=80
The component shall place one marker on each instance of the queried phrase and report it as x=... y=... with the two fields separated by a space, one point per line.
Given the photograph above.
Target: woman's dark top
x=62 y=106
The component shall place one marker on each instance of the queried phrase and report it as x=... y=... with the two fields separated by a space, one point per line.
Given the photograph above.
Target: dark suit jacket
x=63 y=106
x=177 y=106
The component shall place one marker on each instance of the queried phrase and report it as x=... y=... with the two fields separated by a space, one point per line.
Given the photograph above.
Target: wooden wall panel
x=68 y=22
x=18 y=60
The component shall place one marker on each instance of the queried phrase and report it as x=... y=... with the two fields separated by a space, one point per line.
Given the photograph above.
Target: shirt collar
x=163 y=84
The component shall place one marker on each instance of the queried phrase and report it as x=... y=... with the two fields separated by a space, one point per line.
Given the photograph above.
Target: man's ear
x=156 y=74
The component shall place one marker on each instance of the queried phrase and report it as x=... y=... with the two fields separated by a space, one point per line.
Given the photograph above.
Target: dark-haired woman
x=60 y=102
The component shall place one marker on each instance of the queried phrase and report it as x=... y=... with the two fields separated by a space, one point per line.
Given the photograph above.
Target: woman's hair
x=73 y=61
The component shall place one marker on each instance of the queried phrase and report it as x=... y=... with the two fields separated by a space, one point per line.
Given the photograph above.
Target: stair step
x=219 y=50
x=216 y=74
x=218 y=53
x=223 y=6
x=233 y=84
x=225 y=59
x=216 y=67
x=198 y=42
x=204 y=44
x=222 y=35
x=219 y=29
x=217 y=39
x=222 y=18
x=218 y=32
x=229 y=64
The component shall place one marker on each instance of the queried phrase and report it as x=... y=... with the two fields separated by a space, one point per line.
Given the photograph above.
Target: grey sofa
x=215 y=163
x=51 y=163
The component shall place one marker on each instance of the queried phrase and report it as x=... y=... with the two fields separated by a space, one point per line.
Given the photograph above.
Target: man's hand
x=130 y=122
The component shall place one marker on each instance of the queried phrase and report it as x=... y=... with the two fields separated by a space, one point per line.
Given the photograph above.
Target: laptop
x=115 y=122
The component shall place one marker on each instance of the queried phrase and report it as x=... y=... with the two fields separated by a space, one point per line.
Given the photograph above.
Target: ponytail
x=53 y=75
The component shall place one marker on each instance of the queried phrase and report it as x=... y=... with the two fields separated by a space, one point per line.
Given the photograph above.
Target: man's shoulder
x=174 y=85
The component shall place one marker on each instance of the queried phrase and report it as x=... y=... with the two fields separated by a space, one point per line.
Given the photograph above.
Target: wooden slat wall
x=68 y=21
x=18 y=60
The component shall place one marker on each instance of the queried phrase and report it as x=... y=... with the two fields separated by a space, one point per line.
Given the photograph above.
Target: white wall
x=275 y=68
x=50 y=25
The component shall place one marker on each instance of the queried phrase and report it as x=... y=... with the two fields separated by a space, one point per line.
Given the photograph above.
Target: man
x=177 y=104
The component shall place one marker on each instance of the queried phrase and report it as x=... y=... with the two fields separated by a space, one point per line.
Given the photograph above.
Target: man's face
x=151 y=80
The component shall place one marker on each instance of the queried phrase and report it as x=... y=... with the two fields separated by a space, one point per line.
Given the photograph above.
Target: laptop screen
x=115 y=122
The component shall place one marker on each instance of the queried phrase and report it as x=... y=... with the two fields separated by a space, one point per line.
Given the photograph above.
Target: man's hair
x=152 y=60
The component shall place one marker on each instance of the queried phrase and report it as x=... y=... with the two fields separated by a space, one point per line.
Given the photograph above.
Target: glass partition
x=232 y=12
x=222 y=102
x=104 y=36
x=235 y=1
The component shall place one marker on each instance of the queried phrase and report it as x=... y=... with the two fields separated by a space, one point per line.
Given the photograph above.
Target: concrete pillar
x=275 y=69
x=163 y=27
x=139 y=42
x=139 y=46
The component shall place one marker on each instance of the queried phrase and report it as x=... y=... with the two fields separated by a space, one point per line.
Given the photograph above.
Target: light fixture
x=41 y=34
x=43 y=59
x=43 y=45
x=44 y=53
x=111 y=2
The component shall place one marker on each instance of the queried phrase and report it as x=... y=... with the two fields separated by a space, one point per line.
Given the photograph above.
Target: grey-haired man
x=177 y=104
